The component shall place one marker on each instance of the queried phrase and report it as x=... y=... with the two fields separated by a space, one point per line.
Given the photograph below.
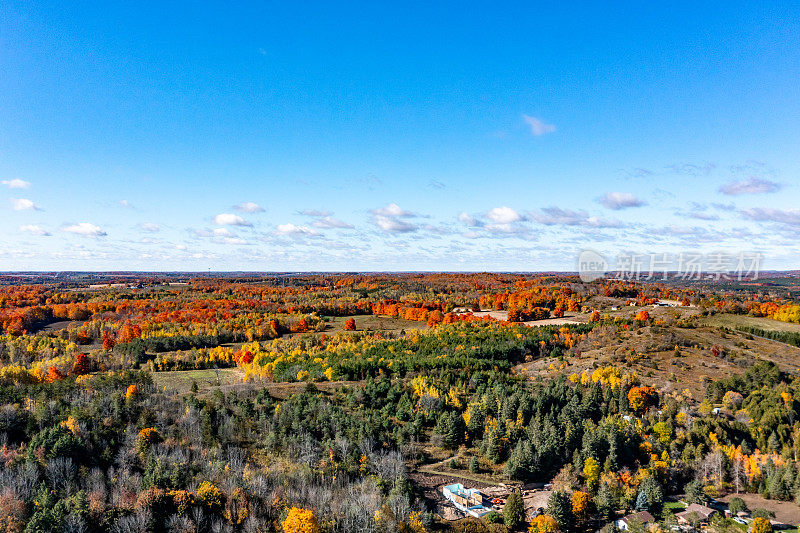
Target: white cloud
x=23 y=204
x=150 y=227
x=315 y=213
x=389 y=220
x=393 y=224
x=292 y=229
x=86 y=229
x=392 y=210
x=789 y=217
x=503 y=215
x=232 y=240
x=680 y=230
x=751 y=185
x=222 y=232
x=229 y=219
x=508 y=229
x=16 y=184
x=469 y=220
x=34 y=230
x=556 y=216
x=538 y=127
x=249 y=207
x=620 y=200
x=329 y=222
x=702 y=215
x=125 y=204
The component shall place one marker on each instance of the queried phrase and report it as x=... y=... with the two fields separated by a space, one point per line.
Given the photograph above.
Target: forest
x=345 y=402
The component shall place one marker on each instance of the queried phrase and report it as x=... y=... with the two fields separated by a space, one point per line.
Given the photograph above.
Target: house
x=703 y=513
x=642 y=517
x=470 y=501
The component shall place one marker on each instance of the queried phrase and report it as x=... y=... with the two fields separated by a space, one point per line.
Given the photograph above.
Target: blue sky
x=358 y=136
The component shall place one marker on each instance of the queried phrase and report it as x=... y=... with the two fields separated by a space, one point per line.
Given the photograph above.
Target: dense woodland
x=90 y=442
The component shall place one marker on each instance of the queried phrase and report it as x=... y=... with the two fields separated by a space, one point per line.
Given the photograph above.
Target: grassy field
x=374 y=323
x=734 y=321
x=227 y=379
x=180 y=382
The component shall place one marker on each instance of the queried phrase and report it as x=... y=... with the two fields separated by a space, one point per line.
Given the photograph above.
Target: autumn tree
x=435 y=318
x=54 y=374
x=591 y=471
x=210 y=496
x=640 y=398
x=760 y=525
x=300 y=520
x=581 y=506
x=643 y=315
x=350 y=324
x=108 y=341
x=543 y=524
x=595 y=316
x=83 y=364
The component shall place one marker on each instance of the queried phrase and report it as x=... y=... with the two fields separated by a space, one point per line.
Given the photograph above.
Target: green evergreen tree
x=559 y=506
x=650 y=497
x=604 y=502
x=514 y=510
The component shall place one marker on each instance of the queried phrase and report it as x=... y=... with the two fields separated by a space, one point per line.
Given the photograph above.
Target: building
x=703 y=512
x=642 y=517
x=470 y=501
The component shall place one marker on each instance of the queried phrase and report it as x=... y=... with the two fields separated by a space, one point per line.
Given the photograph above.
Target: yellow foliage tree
x=543 y=524
x=760 y=525
x=300 y=521
x=591 y=471
x=210 y=495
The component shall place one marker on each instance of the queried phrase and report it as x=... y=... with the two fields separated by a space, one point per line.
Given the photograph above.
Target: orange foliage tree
x=350 y=324
x=131 y=392
x=640 y=398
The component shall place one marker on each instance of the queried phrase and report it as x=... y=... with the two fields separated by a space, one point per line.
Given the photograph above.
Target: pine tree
x=604 y=502
x=650 y=497
x=559 y=506
x=514 y=510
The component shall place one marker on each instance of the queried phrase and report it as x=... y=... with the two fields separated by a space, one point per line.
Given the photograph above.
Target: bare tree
x=60 y=473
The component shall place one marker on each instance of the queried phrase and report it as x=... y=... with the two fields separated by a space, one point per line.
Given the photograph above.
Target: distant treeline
x=786 y=337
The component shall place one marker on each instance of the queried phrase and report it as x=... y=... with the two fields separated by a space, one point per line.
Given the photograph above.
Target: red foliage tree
x=83 y=364
x=350 y=324
x=108 y=341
